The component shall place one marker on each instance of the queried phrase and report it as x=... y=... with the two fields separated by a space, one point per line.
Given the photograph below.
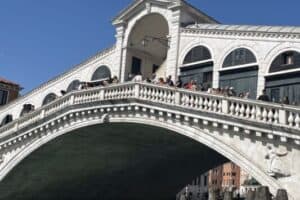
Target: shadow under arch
x=197 y=135
x=158 y=158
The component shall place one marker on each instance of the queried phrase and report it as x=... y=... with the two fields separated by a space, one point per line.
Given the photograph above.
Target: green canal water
x=110 y=162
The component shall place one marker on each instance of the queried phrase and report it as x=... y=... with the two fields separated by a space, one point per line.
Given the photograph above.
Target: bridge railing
x=275 y=114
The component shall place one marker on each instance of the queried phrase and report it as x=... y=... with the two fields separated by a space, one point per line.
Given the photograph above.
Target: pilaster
x=173 y=53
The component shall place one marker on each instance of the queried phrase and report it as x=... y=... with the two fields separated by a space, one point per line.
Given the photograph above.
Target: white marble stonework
x=262 y=138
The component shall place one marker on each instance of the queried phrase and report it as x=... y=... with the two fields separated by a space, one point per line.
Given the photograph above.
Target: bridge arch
x=196 y=134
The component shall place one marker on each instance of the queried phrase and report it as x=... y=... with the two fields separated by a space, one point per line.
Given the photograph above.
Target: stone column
x=118 y=62
x=262 y=193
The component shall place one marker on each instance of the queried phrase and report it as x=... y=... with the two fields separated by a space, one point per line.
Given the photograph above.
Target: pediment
x=139 y=5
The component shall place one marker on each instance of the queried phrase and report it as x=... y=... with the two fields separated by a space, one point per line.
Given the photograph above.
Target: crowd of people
x=190 y=85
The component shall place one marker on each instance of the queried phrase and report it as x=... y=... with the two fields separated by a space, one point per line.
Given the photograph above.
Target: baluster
x=165 y=97
x=215 y=105
x=157 y=94
x=153 y=94
x=232 y=108
x=237 y=109
x=173 y=97
x=206 y=104
x=242 y=110
x=265 y=115
x=149 y=92
x=248 y=111
x=258 y=113
x=192 y=101
x=183 y=99
x=196 y=102
x=210 y=104
x=145 y=93
x=201 y=102
x=270 y=115
x=220 y=106
x=169 y=97
x=291 y=119
x=276 y=117
x=253 y=112
x=187 y=100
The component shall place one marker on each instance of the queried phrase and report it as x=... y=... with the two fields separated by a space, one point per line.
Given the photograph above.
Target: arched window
x=239 y=56
x=7 y=119
x=285 y=61
x=284 y=86
x=197 y=54
x=27 y=108
x=49 y=98
x=103 y=72
x=74 y=85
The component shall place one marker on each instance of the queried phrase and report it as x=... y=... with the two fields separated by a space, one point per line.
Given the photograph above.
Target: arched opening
x=94 y=162
x=240 y=71
x=27 y=108
x=73 y=86
x=49 y=98
x=198 y=66
x=101 y=73
x=147 y=47
x=6 y=120
x=283 y=81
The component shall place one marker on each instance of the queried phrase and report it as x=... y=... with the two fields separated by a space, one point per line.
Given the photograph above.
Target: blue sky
x=41 y=39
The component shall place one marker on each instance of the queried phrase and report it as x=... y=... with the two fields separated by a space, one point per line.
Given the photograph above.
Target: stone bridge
x=262 y=138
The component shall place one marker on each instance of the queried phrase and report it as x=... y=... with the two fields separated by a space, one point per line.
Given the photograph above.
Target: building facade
x=173 y=38
x=225 y=177
x=9 y=91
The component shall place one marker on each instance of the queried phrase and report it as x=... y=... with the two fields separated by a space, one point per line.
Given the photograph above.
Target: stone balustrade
x=248 y=110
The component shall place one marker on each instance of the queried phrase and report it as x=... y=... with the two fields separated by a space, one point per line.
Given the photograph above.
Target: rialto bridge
x=174 y=38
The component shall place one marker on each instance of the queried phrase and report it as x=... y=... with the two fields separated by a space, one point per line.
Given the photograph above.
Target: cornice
x=242 y=33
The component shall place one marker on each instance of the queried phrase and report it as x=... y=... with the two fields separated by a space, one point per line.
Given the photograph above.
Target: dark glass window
x=136 y=65
x=7 y=119
x=154 y=68
x=49 y=98
x=286 y=61
x=3 y=97
x=103 y=72
x=27 y=108
x=239 y=56
x=197 y=54
x=74 y=85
